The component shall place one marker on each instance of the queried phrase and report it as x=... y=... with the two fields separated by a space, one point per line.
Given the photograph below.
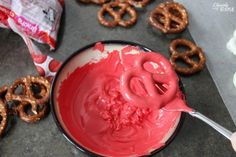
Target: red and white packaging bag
x=45 y=65
x=38 y=19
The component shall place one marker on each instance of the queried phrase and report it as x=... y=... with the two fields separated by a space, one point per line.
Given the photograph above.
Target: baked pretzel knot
x=32 y=100
x=169 y=17
x=136 y=3
x=3 y=110
x=123 y=8
x=95 y=1
x=194 y=66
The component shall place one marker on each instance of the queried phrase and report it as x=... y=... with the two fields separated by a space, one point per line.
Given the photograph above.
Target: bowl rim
x=52 y=106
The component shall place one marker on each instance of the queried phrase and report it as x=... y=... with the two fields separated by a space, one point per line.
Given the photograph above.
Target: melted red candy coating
x=96 y=111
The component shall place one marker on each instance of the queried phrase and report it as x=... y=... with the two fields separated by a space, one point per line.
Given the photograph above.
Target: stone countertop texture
x=79 y=28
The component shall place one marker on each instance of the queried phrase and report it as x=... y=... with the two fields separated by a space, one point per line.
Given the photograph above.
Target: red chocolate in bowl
x=90 y=109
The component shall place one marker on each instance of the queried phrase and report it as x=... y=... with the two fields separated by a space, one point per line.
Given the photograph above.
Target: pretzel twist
x=124 y=8
x=3 y=110
x=194 y=66
x=98 y=2
x=28 y=98
x=136 y=3
x=169 y=17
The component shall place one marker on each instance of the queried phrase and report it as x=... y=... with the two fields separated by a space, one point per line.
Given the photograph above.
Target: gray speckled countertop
x=79 y=28
x=212 y=35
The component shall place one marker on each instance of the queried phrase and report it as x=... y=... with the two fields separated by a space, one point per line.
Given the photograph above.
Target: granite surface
x=79 y=28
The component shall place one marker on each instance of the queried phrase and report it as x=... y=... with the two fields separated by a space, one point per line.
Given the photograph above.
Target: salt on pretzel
x=3 y=110
x=27 y=84
x=37 y=111
x=194 y=66
x=169 y=17
x=36 y=102
x=124 y=8
x=136 y=3
x=99 y=2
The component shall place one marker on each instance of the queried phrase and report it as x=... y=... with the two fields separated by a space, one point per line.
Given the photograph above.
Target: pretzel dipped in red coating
x=124 y=8
x=194 y=66
x=169 y=17
x=29 y=99
x=3 y=110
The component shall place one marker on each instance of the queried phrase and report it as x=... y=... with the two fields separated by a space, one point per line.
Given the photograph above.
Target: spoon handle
x=213 y=124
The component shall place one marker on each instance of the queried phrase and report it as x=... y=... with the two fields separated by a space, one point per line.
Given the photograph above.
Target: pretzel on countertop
x=136 y=3
x=3 y=110
x=169 y=17
x=36 y=102
x=38 y=111
x=124 y=8
x=194 y=66
x=99 y=2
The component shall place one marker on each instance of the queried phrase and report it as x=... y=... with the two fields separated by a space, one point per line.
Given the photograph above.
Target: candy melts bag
x=39 y=19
